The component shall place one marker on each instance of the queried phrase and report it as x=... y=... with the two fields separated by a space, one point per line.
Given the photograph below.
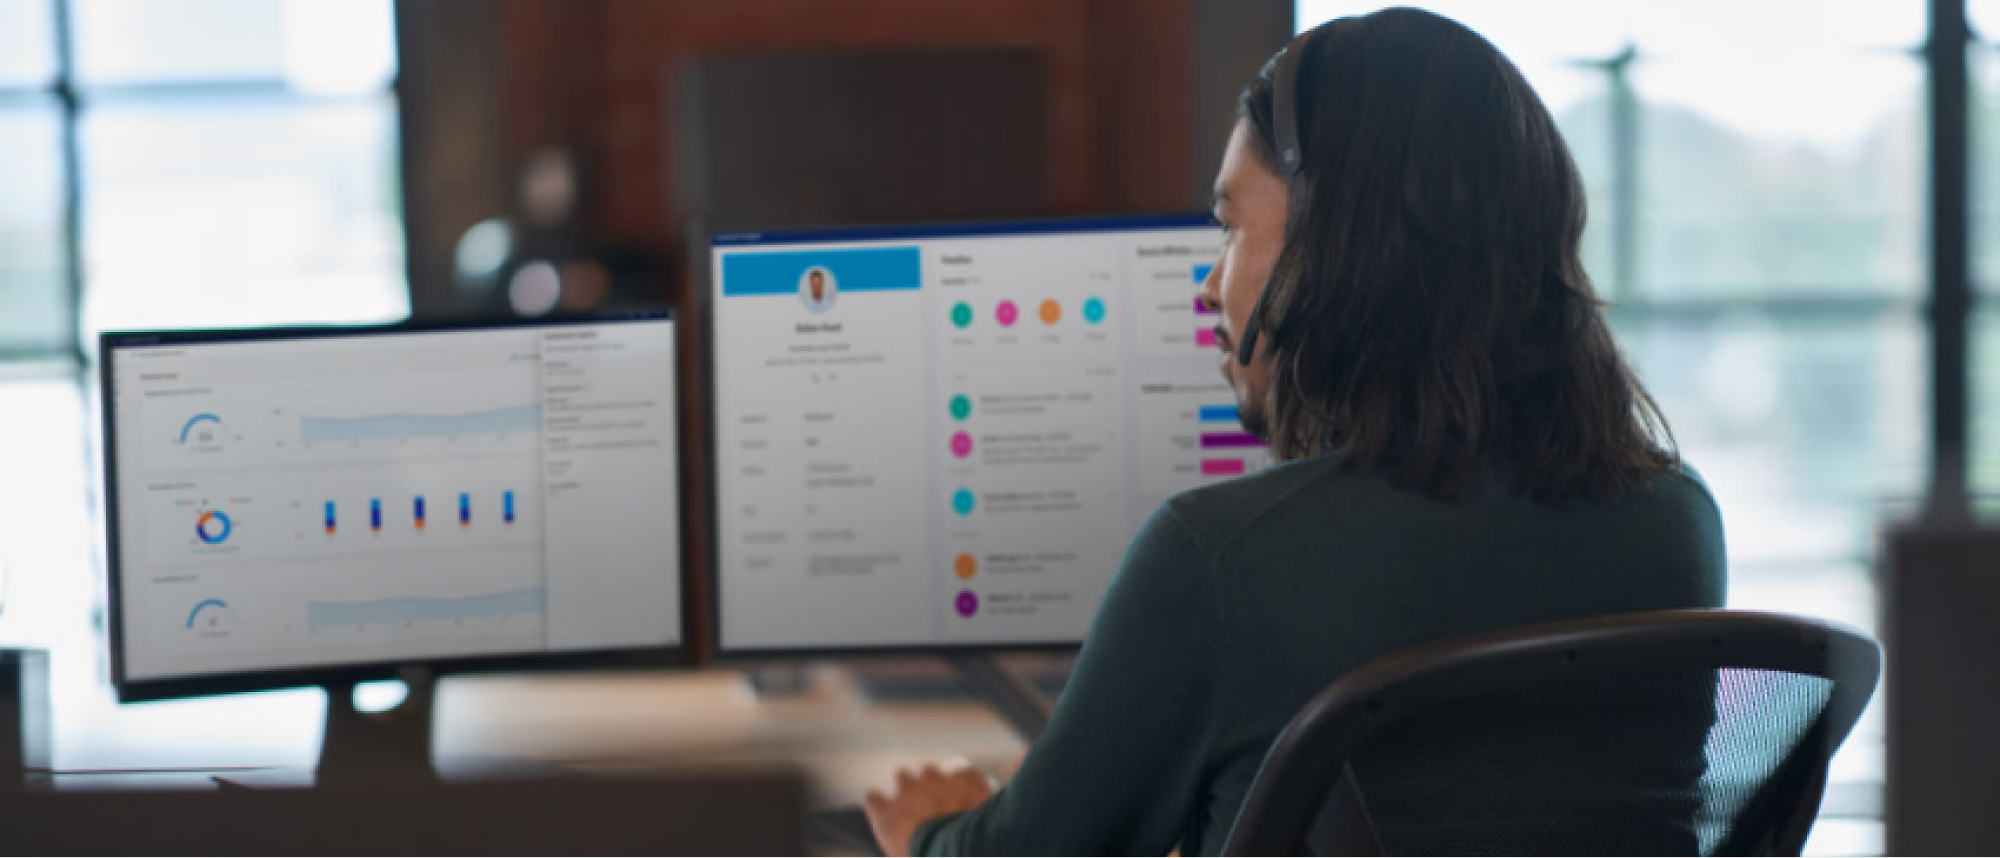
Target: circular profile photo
x=817 y=288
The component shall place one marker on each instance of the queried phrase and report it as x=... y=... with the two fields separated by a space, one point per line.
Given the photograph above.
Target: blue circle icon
x=1093 y=310
x=212 y=527
x=962 y=502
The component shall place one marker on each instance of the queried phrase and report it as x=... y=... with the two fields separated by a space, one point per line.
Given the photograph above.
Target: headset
x=1283 y=70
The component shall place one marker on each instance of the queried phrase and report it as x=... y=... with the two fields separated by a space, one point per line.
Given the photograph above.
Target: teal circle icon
x=962 y=502
x=1093 y=310
x=961 y=407
x=961 y=315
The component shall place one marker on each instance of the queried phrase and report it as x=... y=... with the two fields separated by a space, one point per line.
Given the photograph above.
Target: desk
x=611 y=723
x=592 y=723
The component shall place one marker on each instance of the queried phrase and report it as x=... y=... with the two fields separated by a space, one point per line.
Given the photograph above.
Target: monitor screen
x=287 y=501
x=946 y=437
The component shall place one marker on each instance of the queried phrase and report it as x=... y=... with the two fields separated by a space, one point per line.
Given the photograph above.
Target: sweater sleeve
x=1121 y=768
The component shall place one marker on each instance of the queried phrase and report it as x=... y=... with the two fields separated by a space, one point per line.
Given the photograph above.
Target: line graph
x=419 y=609
x=522 y=418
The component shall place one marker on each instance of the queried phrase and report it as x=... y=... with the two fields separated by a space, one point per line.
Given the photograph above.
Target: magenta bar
x=1205 y=338
x=1201 y=308
x=1221 y=467
x=1228 y=440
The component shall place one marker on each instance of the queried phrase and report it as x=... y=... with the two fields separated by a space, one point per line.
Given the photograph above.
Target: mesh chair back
x=1680 y=732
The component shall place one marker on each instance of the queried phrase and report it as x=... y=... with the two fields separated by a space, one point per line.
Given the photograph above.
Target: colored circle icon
x=1007 y=314
x=965 y=566
x=967 y=603
x=1051 y=311
x=212 y=527
x=962 y=502
x=961 y=445
x=961 y=407
x=961 y=315
x=1093 y=310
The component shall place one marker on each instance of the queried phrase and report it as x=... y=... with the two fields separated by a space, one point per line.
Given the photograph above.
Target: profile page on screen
x=400 y=496
x=950 y=439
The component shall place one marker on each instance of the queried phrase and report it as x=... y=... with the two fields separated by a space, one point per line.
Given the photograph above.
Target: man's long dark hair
x=1430 y=314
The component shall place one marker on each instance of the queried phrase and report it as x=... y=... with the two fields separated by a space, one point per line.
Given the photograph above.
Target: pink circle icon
x=1007 y=313
x=961 y=445
x=967 y=604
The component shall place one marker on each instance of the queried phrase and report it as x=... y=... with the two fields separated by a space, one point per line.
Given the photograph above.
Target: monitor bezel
x=709 y=299
x=130 y=690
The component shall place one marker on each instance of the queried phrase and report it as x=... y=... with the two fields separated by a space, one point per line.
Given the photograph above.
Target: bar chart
x=420 y=511
x=1222 y=435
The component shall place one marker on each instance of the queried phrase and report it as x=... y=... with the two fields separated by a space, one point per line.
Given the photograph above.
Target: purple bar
x=1228 y=440
x=1201 y=308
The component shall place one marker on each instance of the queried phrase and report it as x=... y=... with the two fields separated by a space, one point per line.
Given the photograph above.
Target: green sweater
x=1240 y=601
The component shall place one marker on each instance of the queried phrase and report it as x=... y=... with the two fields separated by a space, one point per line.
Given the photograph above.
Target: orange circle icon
x=1051 y=311
x=965 y=567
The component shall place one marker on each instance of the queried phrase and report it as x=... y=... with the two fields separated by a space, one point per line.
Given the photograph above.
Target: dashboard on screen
x=946 y=437
x=305 y=500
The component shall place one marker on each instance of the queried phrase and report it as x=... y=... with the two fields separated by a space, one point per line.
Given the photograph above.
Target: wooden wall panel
x=597 y=75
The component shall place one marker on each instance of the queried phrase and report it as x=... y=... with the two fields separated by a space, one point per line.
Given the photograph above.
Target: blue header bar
x=854 y=269
x=1049 y=226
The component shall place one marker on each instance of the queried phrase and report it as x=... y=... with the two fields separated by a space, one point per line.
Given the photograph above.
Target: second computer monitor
x=293 y=507
x=946 y=437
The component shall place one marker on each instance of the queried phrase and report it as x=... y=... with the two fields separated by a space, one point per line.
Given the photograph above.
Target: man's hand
x=921 y=798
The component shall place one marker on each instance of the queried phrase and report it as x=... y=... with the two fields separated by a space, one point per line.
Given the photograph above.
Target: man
x=818 y=295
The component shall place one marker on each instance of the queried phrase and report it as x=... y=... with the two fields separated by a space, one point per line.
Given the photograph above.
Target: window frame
x=72 y=99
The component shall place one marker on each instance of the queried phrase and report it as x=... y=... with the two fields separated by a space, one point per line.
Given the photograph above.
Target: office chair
x=1671 y=732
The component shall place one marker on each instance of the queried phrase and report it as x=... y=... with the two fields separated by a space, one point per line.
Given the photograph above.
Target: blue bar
x=1201 y=273
x=1218 y=414
x=375 y=513
x=464 y=508
x=420 y=511
x=329 y=516
x=507 y=507
x=854 y=269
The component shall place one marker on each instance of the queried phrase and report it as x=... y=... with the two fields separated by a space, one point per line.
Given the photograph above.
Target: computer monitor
x=945 y=437
x=318 y=506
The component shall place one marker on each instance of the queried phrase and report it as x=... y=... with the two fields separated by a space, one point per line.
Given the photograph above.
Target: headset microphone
x=1246 y=347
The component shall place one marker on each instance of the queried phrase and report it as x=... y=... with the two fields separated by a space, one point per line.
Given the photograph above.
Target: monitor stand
x=1011 y=696
x=367 y=748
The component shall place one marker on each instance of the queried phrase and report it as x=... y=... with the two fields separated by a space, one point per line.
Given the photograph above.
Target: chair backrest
x=1670 y=732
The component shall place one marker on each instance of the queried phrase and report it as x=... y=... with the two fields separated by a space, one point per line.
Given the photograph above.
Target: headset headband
x=1284 y=102
x=1283 y=70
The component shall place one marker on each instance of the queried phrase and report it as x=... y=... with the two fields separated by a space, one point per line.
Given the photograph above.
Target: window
x=34 y=290
x=172 y=163
x=1757 y=172
x=1984 y=433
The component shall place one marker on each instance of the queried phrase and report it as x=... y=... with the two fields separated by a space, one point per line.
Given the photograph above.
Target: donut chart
x=212 y=527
